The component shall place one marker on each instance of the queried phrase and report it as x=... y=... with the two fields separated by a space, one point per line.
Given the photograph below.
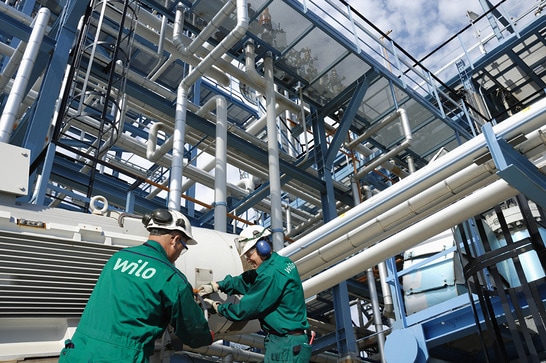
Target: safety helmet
x=170 y=220
x=250 y=236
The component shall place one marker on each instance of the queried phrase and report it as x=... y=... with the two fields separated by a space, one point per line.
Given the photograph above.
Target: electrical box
x=15 y=164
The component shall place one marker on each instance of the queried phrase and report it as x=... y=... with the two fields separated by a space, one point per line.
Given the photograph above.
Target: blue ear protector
x=263 y=248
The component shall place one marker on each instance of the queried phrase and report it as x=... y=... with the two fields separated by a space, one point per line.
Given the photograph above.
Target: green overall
x=138 y=293
x=273 y=294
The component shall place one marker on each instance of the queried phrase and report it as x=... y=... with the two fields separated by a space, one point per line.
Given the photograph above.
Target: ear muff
x=263 y=248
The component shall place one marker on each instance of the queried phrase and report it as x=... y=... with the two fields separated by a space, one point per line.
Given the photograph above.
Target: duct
x=383 y=159
x=273 y=157
x=421 y=231
x=16 y=95
x=181 y=104
x=421 y=180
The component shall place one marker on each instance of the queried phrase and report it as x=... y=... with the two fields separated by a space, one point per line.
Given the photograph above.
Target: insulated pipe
x=456 y=213
x=147 y=23
x=383 y=159
x=376 y=127
x=160 y=43
x=273 y=157
x=220 y=172
x=225 y=45
x=20 y=83
x=204 y=34
x=219 y=350
x=257 y=341
x=525 y=121
x=259 y=83
x=390 y=222
x=15 y=14
x=6 y=50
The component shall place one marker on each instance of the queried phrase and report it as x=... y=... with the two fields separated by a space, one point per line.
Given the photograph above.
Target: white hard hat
x=170 y=220
x=250 y=235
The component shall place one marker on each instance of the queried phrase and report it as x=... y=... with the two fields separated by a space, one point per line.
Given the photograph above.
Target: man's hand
x=208 y=289
x=213 y=304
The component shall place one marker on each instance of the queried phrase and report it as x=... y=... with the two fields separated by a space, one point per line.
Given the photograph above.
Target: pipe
x=230 y=40
x=256 y=81
x=16 y=95
x=376 y=315
x=456 y=213
x=435 y=172
x=204 y=34
x=383 y=159
x=148 y=23
x=392 y=221
x=417 y=207
x=219 y=350
x=220 y=173
x=273 y=157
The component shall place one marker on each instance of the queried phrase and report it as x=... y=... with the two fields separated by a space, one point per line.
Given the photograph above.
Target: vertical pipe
x=220 y=174
x=376 y=315
x=20 y=83
x=175 y=186
x=273 y=152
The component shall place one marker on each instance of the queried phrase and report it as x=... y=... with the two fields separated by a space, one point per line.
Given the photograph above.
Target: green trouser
x=83 y=349
x=290 y=348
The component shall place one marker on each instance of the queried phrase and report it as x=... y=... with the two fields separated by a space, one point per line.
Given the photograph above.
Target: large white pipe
x=414 y=209
x=456 y=213
x=273 y=157
x=395 y=219
x=22 y=78
x=175 y=190
x=523 y=122
x=220 y=172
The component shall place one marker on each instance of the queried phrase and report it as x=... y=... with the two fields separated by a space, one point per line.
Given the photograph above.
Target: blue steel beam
x=515 y=169
x=347 y=119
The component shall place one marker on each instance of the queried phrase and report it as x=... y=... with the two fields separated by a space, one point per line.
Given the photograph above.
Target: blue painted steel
x=346 y=342
x=516 y=169
x=347 y=120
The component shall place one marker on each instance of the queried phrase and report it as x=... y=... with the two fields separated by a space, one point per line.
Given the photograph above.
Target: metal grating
x=47 y=277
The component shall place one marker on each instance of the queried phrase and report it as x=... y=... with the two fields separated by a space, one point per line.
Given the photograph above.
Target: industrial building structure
x=410 y=193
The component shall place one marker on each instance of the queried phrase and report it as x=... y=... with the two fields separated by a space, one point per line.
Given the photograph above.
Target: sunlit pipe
x=175 y=190
x=435 y=172
x=404 y=240
x=17 y=93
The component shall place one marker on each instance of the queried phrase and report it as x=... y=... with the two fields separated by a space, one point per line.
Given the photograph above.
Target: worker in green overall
x=272 y=293
x=138 y=294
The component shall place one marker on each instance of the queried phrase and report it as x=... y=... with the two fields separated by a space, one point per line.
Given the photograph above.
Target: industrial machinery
x=410 y=193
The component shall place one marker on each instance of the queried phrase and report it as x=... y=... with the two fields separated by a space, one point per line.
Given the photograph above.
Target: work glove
x=208 y=289
x=213 y=304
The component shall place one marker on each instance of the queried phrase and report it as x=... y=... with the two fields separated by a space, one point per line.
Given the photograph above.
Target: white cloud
x=418 y=26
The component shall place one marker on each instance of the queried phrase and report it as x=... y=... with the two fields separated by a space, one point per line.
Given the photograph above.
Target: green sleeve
x=259 y=300
x=188 y=318
x=238 y=284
